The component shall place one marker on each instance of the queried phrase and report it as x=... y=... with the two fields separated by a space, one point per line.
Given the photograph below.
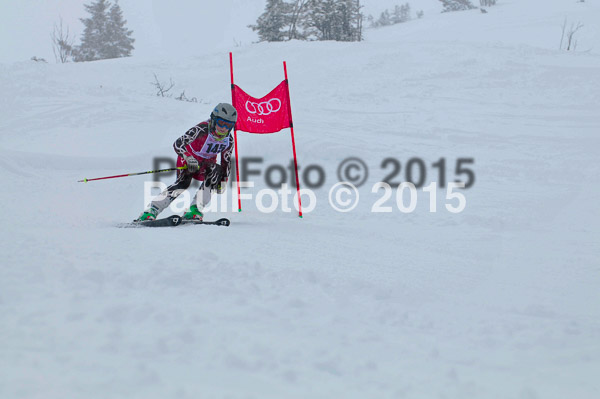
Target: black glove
x=214 y=176
x=192 y=163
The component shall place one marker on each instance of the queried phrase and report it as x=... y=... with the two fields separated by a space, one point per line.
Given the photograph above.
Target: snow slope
x=498 y=301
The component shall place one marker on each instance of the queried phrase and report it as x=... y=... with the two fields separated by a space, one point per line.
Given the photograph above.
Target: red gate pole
x=293 y=141
x=237 y=162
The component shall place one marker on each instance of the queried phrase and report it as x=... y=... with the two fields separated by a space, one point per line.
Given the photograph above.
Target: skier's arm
x=182 y=142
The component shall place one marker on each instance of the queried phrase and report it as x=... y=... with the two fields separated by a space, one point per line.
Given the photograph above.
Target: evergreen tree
x=456 y=5
x=271 y=23
x=95 y=28
x=310 y=19
x=405 y=13
x=105 y=35
x=120 y=42
x=335 y=20
x=320 y=19
x=401 y=14
x=371 y=20
x=385 y=19
x=350 y=20
x=396 y=17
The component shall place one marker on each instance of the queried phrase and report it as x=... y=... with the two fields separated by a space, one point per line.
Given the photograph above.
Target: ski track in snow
x=500 y=301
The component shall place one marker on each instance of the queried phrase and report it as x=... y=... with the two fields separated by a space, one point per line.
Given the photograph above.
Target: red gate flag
x=268 y=114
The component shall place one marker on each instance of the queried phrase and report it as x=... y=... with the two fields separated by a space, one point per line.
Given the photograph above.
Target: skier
x=198 y=149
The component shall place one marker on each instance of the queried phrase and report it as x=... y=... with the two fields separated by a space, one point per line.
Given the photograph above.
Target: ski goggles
x=222 y=123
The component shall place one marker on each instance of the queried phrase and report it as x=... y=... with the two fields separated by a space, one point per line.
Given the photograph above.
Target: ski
x=173 y=221
x=219 y=222
x=170 y=221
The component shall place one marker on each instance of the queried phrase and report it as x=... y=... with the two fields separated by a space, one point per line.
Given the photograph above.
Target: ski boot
x=149 y=214
x=193 y=214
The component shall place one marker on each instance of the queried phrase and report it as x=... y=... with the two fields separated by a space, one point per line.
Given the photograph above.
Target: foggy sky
x=161 y=27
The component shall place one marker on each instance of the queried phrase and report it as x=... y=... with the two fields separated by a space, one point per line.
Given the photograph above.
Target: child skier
x=198 y=149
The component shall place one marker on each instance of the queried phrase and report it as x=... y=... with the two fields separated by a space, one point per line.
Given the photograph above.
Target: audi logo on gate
x=263 y=108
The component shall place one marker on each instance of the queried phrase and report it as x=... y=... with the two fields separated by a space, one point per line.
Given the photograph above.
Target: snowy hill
x=497 y=301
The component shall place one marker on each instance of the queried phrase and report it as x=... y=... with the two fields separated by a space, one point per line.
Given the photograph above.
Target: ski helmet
x=224 y=115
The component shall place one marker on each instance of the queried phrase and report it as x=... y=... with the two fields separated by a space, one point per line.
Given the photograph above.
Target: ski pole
x=133 y=174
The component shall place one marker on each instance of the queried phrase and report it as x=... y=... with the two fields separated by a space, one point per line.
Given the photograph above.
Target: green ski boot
x=149 y=214
x=193 y=214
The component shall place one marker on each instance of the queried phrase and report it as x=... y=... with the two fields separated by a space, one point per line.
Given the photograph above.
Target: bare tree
x=62 y=43
x=570 y=35
x=562 y=36
x=162 y=88
x=296 y=9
